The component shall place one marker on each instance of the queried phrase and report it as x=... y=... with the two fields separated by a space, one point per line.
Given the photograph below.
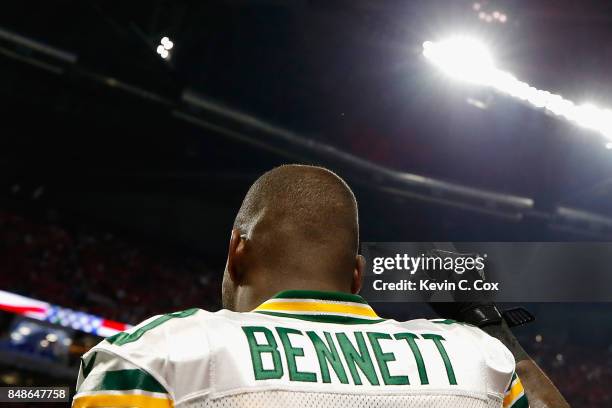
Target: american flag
x=47 y=312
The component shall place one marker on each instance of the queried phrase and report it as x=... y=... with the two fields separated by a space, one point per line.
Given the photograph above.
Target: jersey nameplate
x=351 y=356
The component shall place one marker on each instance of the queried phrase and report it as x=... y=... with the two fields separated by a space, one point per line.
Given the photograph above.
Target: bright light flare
x=461 y=57
x=468 y=60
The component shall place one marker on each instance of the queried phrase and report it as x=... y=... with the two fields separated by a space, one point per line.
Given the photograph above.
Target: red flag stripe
x=22 y=309
x=111 y=324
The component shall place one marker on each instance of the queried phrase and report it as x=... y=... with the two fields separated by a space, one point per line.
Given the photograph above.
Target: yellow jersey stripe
x=310 y=306
x=121 y=401
x=514 y=393
x=319 y=313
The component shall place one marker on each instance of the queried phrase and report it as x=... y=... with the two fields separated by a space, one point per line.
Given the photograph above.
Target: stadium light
x=163 y=49
x=469 y=60
x=167 y=44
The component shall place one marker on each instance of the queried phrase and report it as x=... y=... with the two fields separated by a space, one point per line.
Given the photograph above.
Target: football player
x=295 y=333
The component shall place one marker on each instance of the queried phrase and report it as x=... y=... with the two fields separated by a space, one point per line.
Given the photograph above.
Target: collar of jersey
x=316 y=306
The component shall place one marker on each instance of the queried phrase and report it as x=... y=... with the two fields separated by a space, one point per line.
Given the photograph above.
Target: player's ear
x=358 y=272
x=235 y=254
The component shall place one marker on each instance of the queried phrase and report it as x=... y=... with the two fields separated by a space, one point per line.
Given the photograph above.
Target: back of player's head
x=301 y=217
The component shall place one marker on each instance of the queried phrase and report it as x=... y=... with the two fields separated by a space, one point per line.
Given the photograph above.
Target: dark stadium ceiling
x=94 y=114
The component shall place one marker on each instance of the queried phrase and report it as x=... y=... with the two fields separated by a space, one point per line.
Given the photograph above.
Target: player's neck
x=249 y=297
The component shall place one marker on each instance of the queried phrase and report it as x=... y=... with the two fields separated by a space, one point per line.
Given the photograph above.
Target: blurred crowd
x=99 y=273
x=584 y=375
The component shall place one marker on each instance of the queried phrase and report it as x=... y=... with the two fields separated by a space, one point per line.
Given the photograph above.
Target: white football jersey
x=299 y=349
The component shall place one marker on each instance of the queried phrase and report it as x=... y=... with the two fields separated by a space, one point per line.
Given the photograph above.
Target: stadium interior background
x=122 y=164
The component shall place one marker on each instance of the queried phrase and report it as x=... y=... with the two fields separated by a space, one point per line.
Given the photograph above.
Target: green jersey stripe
x=122 y=338
x=514 y=376
x=135 y=379
x=89 y=366
x=313 y=294
x=520 y=403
